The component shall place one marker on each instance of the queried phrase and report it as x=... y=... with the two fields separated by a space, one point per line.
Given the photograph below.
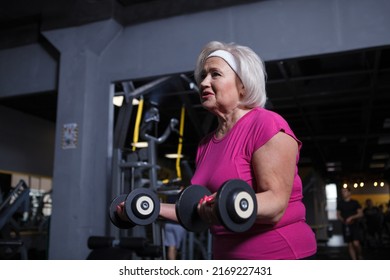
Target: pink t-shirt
x=219 y=160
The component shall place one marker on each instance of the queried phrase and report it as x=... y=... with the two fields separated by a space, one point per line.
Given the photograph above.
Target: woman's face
x=220 y=87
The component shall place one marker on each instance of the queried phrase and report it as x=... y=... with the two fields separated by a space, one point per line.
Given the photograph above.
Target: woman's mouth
x=206 y=94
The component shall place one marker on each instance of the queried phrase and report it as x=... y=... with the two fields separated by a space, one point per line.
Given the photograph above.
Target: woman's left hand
x=207 y=210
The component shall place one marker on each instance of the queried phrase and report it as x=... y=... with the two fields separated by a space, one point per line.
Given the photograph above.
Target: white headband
x=227 y=56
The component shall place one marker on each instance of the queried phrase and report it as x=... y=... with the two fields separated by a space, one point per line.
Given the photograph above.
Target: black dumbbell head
x=118 y=222
x=186 y=208
x=236 y=205
x=142 y=206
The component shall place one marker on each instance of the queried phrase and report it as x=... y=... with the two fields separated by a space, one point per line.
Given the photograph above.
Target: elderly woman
x=255 y=145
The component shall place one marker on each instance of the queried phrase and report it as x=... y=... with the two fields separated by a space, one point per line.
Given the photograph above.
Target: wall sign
x=69 y=136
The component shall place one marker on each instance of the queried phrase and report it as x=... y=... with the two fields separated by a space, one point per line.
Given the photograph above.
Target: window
x=331 y=201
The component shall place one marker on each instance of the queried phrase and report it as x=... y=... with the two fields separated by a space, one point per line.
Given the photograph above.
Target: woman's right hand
x=120 y=210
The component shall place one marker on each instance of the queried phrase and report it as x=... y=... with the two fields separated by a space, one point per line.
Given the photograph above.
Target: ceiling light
x=140 y=144
x=377 y=165
x=117 y=100
x=333 y=164
x=193 y=86
x=173 y=156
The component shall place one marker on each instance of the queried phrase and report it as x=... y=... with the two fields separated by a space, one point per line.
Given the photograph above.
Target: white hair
x=250 y=69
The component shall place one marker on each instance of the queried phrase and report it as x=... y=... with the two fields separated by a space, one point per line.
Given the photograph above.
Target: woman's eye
x=215 y=74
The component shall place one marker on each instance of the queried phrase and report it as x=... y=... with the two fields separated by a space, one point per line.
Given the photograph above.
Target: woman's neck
x=227 y=121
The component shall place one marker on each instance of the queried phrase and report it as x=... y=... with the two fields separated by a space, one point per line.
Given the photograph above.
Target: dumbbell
x=142 y=208
x=235 y=203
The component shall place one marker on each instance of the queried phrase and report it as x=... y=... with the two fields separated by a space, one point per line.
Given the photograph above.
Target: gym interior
x=98 y=98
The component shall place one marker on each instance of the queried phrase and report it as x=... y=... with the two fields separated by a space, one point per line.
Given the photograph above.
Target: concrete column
x=83 y=146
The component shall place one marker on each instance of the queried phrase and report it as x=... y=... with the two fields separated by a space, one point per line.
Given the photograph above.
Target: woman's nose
x=205 y=82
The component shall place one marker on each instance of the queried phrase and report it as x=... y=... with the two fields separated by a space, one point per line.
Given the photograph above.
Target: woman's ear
x=242 y=91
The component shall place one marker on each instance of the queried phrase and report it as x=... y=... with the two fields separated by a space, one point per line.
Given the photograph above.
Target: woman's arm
x=168 y=211
x=274 y=166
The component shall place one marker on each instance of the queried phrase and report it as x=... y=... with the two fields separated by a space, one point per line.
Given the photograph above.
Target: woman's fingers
x=206 y=209
x=120 y=209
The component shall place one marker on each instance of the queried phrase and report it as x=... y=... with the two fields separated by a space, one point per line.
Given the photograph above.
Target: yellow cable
x=137 y=122
x=180 y=145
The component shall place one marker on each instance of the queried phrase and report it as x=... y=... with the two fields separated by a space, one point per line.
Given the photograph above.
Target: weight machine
x=130 y=164
x=19 y=197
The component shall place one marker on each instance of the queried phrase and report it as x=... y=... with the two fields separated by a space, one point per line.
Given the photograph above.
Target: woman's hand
x=207 y=210
x=120 y=210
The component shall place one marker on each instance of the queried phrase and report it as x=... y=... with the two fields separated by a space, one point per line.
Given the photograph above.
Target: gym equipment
x=127 y=172
x=142 y=207
x=150 y=251
x=12 y=249
x=180 y=144
x=235 y=203
x=19 y=195
x=109 y=248
x=132 y=243
x=186 y=208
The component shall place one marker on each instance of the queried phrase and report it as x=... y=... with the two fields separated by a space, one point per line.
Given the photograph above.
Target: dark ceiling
x=337 y=104
x=21 y=21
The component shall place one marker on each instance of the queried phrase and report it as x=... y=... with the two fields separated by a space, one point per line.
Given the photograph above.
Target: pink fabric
x=230 y=158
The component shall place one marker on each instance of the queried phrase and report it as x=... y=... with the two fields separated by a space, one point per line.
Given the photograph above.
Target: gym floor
x=332 y=249
x=336 y=249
